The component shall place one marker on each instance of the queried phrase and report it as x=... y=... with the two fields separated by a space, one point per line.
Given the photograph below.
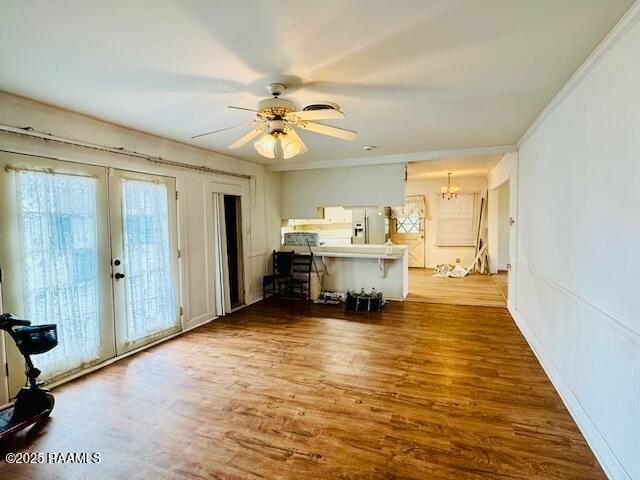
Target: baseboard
x=188 y=326
x=601 y=449
x=117 y=358
x=251 y=301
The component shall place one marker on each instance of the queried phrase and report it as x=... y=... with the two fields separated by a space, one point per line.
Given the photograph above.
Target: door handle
x=118 y=276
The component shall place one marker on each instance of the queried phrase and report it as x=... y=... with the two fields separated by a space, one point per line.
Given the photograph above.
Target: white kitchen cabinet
x=331 y=215
x=337 y=215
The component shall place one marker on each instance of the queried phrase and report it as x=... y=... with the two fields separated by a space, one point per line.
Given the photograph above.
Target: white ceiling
x=411 y=76
x=473 y=166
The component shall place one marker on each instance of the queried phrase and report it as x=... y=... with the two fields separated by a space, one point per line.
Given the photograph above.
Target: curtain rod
x=29 y=132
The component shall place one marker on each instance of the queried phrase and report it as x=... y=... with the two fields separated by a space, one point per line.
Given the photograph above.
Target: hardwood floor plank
x=417 y=391
x=474 y=289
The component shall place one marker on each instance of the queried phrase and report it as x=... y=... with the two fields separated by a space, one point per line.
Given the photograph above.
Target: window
x=457 y=221
x=58 y=229
x=409 y=217
x=409 y=224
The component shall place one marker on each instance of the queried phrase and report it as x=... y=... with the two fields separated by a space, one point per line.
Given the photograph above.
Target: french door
x=54 y=228
x=144 y=257
x=68 y=232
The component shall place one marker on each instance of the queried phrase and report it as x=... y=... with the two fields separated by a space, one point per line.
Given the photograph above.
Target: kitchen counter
x=355 y=267
x=355 y=251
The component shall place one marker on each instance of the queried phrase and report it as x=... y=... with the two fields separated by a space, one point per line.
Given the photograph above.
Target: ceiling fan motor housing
x=276 y=126
x=276 y=106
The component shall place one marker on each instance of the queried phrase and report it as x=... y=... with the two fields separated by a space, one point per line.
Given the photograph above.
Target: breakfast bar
x=353 y=267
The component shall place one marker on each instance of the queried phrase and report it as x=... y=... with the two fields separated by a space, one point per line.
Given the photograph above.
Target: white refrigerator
x=368 y=225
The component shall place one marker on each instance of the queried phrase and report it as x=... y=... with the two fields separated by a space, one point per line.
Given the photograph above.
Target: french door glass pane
x=149 y=288
x=58 y=226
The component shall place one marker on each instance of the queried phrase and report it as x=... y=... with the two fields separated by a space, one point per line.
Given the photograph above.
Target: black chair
x=282 y=270
x=298 y=285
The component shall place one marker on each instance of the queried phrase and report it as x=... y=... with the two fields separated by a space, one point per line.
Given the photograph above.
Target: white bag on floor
x=445 y=271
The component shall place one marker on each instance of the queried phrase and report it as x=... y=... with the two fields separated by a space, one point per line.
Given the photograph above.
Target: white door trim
x=117 y=247
x=241 y=189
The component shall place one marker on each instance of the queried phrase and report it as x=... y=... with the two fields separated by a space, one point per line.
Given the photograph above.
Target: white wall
x=578 y=298
x=502 y=176
x=503 y=225
x=502 y=171
x=261 y=223
x=430 y=188
x=303 y=191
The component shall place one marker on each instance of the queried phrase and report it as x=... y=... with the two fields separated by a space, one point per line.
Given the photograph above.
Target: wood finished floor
x=420 y=391
x=474 y=289
x=501 y=279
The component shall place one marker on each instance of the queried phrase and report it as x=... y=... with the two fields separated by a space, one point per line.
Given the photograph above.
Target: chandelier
x=449 y=191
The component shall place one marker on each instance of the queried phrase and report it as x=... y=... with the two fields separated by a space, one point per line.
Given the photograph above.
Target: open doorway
x=453 y=231
x=502 y=238
x=233 y=228
x=228 y=252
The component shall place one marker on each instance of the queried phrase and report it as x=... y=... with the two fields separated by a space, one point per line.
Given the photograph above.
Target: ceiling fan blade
x=323 y=114
x=242 y=108
x=264 y=115
x=292 y=131
x=245 y=138
x=328 y=130
x=223 y=129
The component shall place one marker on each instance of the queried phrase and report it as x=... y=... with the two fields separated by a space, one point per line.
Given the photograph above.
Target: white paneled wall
x=197 y=252
x=593 y=360
x=578 y=254
x=194 y=205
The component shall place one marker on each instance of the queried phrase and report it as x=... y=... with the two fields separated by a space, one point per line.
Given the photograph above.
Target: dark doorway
x=233 y=227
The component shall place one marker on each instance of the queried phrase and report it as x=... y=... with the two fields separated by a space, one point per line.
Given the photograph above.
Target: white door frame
x=117 y=246
x=512 y=289
x=512 y=178
x=240 y=189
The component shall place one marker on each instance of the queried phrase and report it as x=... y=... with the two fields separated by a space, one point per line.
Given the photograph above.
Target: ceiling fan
x=278 y=119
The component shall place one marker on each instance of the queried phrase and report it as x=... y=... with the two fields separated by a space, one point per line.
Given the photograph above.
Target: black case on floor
x=356 y=302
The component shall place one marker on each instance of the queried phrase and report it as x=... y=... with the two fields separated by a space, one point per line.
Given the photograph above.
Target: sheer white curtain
x=60 y=256
x=415 y=206
x=150 y=296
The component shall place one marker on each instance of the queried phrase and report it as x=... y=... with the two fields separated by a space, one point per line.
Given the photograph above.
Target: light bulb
x=290 y=146
x=266 y=146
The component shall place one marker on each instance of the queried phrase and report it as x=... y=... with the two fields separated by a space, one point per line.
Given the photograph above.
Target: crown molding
x=390 y=159
x=20 y=102
x=628 y=20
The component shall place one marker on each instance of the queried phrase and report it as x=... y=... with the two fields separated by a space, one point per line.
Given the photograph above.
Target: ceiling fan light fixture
x=290 y=146
x=266 y=146
x=276 y=123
